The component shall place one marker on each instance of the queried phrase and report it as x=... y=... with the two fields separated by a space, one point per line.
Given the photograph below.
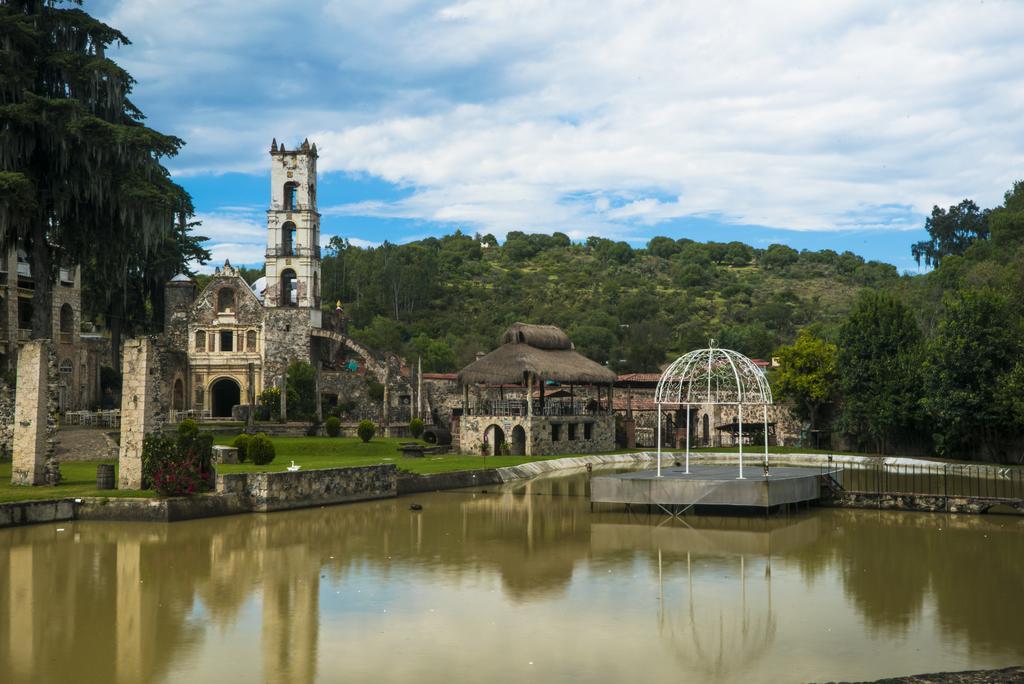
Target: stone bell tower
x=293 y=229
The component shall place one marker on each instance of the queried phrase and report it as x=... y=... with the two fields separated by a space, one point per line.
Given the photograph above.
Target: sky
x=818 y=125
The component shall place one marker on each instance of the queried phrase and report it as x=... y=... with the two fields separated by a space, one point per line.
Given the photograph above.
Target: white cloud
x=234 y=236
x=606 y=119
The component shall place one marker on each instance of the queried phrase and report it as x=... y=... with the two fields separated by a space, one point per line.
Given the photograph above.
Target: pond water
x=523 y=583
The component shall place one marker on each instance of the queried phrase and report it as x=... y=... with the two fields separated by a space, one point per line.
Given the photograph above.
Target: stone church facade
x=239 y=339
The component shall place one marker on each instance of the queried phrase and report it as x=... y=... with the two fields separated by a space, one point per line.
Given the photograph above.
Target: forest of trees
x=447 y=298
x=932 y=363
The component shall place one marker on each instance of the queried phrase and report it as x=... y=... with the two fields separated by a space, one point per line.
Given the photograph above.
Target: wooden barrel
x=105 y=476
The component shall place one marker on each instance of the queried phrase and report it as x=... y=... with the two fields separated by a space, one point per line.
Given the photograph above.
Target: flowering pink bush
x=180 y=477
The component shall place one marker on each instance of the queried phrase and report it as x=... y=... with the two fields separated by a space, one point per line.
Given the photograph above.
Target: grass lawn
x=336 y=452
x=78 y=479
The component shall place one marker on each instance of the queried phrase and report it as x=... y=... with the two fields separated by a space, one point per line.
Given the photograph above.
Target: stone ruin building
x=77 y=356
x=235 y=340
x=537 y=395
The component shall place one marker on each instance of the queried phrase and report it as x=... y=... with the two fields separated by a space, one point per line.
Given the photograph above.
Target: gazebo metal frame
x=717 y=377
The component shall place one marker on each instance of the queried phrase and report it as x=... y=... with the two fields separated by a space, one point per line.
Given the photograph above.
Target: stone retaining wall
x=158 y=510
x=33 y=512
x=265 y=492
x=921 y=503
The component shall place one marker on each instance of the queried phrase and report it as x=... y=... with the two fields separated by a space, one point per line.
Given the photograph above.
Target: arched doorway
x=178 y=396
x=224 y=394
x=706 y=430
x=518 y=447
x=494 y=437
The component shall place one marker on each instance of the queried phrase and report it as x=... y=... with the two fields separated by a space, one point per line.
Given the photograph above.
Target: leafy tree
x=807 y=376
x=80 y=176
x=301 y=390
x=663 y=247
x=129 y=292
x=972 y=357
x=779 y=256
x=1007 y=222
x=879 y=357
x=594 y=342
x=437 y=355
x=646 y=345
x=951 y=232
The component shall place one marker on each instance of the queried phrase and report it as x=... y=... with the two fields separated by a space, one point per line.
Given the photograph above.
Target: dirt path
x=84 y=444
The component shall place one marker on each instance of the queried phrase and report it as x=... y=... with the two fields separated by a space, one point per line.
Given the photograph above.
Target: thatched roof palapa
x=543 y=350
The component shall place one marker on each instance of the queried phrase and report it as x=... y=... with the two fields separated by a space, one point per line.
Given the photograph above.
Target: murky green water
x=522 y=584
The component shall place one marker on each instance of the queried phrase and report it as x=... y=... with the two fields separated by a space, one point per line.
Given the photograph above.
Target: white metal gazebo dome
x=714 y=376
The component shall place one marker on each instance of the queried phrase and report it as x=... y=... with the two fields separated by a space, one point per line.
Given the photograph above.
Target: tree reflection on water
x=136 y=602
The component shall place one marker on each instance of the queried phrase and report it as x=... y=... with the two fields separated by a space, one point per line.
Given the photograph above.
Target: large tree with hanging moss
x=81 y=176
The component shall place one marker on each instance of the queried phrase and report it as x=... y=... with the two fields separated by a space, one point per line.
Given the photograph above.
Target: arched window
x=225 y=300
x=316 y=289
x=200 y=341
x=288 y=239
x=250 y=341
x=67 y=323
x=178 y=395
x=67 y=367
x=291 y=196
x=289 y=288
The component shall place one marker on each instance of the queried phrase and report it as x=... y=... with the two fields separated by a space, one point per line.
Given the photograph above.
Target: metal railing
x=291 y=251
x=551 y=407
x=948 y=480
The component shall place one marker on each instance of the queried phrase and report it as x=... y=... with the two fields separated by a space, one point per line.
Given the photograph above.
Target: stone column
x=284 y=398
x=31 y=414
x=250 y=396
x=138 y=408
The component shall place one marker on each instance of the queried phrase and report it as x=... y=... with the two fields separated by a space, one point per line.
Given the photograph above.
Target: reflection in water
x=499 y=585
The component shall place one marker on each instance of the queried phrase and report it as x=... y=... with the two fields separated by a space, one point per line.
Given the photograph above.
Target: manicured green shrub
x=241 y=442
x=187 y=429
x=333 y=426
x=261 y=449
x=416 y=428
x=366 y=430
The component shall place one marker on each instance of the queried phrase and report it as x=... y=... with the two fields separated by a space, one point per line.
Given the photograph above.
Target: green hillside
x=447 y=298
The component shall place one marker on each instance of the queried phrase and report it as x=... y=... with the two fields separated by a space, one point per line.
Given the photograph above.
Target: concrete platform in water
x=710 y=485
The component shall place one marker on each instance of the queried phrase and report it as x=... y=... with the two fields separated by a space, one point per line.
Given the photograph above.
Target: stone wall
x=286 y=338
x=539 y=433
x=6 y=420
x=265 y=492
x=178 y=298
x=34 y=512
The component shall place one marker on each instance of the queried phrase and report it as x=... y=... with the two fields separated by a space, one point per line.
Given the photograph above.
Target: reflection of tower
x=129 y=636
x=291 y=617
x=21 y=626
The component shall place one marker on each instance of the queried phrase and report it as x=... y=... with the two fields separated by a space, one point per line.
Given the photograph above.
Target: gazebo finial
x=711 y=343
